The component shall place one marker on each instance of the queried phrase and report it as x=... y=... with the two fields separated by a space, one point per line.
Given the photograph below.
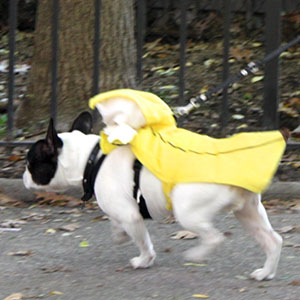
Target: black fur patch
x=42 y=162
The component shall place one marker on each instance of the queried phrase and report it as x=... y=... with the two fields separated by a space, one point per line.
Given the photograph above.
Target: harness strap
x=91 y=170
x=137 y=166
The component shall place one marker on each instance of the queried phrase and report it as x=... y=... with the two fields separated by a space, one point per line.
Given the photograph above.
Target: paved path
x=84 y=263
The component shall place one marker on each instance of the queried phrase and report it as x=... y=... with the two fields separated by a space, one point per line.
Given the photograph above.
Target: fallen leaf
x=50 y=231
x=100 y=218
x=20 y=253
x=200 y=296
x=194 y=265
x=243 y=290
x=227 y=233
x=296 y=206
x=14 y=157
x=295 y=283
x=168 y=87
x=16 y=296
x=6 y=200
x=238 y=117
x=55 y=269
x=256 y=44
x=57 y=199
x=56 y=293
x=209 y=62
x=183 y=235
x=257 y=78
x=167 y=250
x=286 y=229
x=240 y=53
x=83 y=244
x=35 y=217
x=70 y=227
x=242 y=126
x=12 y=223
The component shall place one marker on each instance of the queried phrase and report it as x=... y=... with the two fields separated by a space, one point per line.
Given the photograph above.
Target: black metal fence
x=271 y=8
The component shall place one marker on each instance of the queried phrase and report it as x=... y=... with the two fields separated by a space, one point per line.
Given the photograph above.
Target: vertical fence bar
x=55 y=49
x=182 y=40
x=140 y=38
x=271 y=79
x=13 y=4
x=226 y=46
x=96 y=46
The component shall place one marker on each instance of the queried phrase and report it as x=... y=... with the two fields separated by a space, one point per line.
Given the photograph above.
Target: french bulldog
x=59 y=161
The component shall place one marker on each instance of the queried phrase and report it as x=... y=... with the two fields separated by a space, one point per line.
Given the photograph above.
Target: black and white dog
x=59 y=162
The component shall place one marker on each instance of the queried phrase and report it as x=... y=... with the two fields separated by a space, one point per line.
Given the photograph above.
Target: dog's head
x=42 y=158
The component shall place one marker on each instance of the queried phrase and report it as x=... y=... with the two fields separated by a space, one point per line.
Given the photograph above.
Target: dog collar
x=91 y=170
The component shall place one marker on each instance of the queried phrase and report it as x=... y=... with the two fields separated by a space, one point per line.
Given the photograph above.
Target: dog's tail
x=285 y=133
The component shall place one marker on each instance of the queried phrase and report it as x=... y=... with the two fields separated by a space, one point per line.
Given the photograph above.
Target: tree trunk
x=75 y=69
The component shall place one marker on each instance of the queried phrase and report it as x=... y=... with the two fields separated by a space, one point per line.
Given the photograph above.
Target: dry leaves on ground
x=55 y=199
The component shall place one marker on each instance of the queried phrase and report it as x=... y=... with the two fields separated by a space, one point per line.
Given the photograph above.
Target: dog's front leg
x=136 y=229
x=127 y=221
x=114 y=193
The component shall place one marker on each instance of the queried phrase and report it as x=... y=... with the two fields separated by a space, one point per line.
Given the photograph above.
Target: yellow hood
x=154 y=109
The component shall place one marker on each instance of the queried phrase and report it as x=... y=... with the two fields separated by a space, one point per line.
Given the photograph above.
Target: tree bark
x=75 y=70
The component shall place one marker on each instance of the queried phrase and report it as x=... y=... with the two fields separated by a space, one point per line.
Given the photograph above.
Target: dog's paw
x=142 y=262
x=262 y=274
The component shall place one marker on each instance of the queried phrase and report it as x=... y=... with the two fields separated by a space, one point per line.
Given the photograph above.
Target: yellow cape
x=174 y=155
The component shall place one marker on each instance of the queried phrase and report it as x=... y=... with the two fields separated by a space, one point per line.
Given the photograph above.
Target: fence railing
x=273 y=9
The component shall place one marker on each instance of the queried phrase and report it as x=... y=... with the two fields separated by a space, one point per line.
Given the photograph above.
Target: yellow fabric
x=174 y=155
x=154 y=109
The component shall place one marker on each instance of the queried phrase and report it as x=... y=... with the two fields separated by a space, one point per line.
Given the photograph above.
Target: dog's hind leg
x=195 y=207
x=254 y=219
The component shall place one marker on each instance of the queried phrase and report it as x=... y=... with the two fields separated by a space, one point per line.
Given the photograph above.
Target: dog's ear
x=52 y=139
x=83 y=123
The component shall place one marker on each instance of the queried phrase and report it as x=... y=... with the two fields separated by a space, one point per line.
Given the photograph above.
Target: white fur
x=194 y=204
x=122 y=119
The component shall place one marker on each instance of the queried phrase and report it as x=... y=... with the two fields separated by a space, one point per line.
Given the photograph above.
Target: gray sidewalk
x=44 y=259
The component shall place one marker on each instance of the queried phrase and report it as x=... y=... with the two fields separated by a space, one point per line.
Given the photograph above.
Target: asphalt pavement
x=67 y=253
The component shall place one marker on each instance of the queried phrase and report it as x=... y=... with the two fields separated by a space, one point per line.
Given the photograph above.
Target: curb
x=14 y=188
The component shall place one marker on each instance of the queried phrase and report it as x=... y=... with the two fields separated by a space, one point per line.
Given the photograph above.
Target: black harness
x=91 y=170
x=137 y=166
